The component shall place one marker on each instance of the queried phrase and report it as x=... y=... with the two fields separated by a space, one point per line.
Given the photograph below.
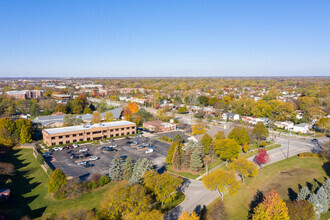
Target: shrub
x=40 y=159
x=104 y=179
x=263 y=144
x=309 y=154
x=164 y=138
x=61 y=193
x=92 y=185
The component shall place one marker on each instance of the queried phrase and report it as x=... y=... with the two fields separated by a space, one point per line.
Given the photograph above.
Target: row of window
x=88 y=139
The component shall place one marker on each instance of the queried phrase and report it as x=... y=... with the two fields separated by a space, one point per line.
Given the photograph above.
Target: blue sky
x=120 y=38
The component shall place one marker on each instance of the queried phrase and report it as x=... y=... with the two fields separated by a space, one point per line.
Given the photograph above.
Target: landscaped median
x=284 y=176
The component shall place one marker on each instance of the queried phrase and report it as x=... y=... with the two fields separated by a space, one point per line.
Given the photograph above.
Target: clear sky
x=119 y=38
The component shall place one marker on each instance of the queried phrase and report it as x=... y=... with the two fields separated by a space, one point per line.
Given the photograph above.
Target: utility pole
x=287 y=154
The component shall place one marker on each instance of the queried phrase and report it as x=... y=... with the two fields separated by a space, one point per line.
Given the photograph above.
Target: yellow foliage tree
x=185 y=216
x=244 y=168
x=133 y=107
x=96 y=117
x=108 y=117
x=198 y=128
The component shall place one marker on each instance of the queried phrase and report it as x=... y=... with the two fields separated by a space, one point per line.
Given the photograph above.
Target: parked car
x=60 y=148
x=314 y=140
x=88 y=165
x=55 y=148
x=134 y=143
x=184 y=148
x=74 y=157
x=75 y=145
x=123 y=158
x=140 y=147
x=152 y=147
x=87 y=155
x=127 y=138
x=83 y=150
x=65 y=148
x=145 y=144
x=114 y=145
x=111 y=140
x=47 y=154
x=70 y=146
x=94 y=158
x=82 y=163
x=51 y=150
x=147 y=139
x=149 y=151
x=70 y=152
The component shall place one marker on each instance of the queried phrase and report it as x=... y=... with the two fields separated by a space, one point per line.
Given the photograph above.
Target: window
x=67 y=142
x=111 y=130
x=122 y=134
x=66 y=136
x=111 y=135
x=60 y=136
x=88 y=139
x=53 y=138
x=88 y=133
x=133 y=127
x=81 y=134
x=117 y=129
x=127 y=128
x=61 y=142
x=74 y=135
x=127 y=133
x=53 y=144
x=122 y=129
x=117 y=135
x=96 y=132
x=133 y=132
x=80 y=139
x=74 y=141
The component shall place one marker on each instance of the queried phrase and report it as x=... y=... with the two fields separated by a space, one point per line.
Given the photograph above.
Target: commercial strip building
x=159 y=126
x=72 y=134
x=26 y=94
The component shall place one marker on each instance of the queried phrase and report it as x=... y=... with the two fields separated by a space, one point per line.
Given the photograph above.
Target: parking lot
x=61 y=159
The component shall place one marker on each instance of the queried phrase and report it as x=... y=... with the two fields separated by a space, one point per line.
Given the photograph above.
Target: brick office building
x=159 y=126
x=72 y=134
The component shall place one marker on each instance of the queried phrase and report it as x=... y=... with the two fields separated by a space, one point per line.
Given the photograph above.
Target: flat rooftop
x=87 y=127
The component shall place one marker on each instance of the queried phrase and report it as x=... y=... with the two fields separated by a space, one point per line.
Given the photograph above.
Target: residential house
x=230 y=116
x=302 y=128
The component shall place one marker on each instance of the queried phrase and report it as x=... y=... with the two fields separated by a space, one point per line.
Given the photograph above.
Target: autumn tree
x=186 y=216
x=262 y=157
x=164 y=186
x=260 y=131
x=25 y=135
x=170 y=152
x=60 y=108
x=7 y=169
x=222 y=181
x=207 y=141
x=244 y=168
x=133 y=107
x=240 y=135
x=245 y=147
x=57 y=180
x=127 y=113
x=124 y=200
x=198 y=128
x=177 y=139
x=183 y=110
x=301 y=210
x=96 y=118
x=88 y=110
x=219 y=135
x=272 y=207
x=176 y=161
x=226 y=149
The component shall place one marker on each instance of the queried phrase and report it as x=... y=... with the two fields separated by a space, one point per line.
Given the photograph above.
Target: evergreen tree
x=57 y=179
x=25 y=135
x=140 y=167
x=176 y=159
x=201 y=149
x=315 y=187
x=196 y=161
x=115 y=171
x=303 y=193
x=323 y=199
x=313 y=199
x=127 y=169
x=185 y=158
x=326 y=186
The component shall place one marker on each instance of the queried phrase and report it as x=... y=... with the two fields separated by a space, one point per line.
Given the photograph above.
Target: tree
x=219 y=135
x=313 y=199
x=5 y=137
x=324 y=123
x=48 y=105
x=222 y=181
x=7 y=169
x=203 y=100
x=108 y=116
x=163 y=186
x=207 y=141
x=303 y=193
x=124 y=200
x=88 y=110
x=244 y=168
x=323 y=199
x=185 y=216
x=245 y=147
x=196 y=162
x=140 y=167
x=133 y=107
x=301 y=210
x=262 y=157
x=96 y=118
x=57 y=180
x=102 y=105
x=34 y=109
x=8 y=124
x=183 y=110
x=70 y=120
x=25 y=135
x=178 y=139
x=272 y=207
x=170 y=152
x=260 y=131
x=127 y=169
x=176 y=161
x=240 y=135
x=115 y=171
x=127 y=113
x=198 y=128
x=226 y=149
x=60 y=108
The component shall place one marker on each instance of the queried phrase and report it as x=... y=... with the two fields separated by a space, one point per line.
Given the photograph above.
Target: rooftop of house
x=87 y=127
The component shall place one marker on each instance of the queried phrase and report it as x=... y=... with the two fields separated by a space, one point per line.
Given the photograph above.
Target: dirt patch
x=286 y=182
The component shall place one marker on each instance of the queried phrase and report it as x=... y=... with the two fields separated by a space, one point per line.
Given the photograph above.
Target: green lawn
x=184 y=174
x=283 y=176
x=29 y=190
x=255 y=152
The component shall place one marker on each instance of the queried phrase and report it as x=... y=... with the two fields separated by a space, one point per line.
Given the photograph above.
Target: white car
x=149 y=151
x=55 y=148
x=60 y=148
x=83 y=150
x=82 y=163
x=75 y=145
x=94 y=158
x=114 y=145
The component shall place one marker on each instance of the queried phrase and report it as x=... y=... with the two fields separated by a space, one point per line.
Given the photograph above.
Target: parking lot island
x=87 y=132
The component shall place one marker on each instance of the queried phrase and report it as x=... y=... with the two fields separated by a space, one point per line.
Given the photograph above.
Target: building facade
x=72 y=134
x=159 y=126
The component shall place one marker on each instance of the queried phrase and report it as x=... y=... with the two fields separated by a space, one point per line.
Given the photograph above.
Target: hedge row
x=309 y=154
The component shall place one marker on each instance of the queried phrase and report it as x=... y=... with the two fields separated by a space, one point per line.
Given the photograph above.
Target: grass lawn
x=255 y=152
x=177 y=200
x=169 y=168
x=283 y=176
x=29 y=190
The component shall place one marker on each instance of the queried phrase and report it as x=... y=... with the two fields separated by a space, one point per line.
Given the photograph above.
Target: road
x=198 y=197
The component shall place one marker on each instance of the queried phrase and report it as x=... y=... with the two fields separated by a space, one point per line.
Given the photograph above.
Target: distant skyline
x=106 y=38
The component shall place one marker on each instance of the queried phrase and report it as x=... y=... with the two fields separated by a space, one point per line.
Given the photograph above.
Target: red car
x=70 y=146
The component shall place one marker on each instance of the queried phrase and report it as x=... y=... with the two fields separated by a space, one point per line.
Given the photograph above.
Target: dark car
x=111 y=140
x=47 y=154
x=88 y=165
x=65 y=148
x=152 y=147
x=127 y=138
x=51 y=150
x=70 y=152
x=123 y=158
x=314 y=140
x=73 y=156
x=87 y=155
